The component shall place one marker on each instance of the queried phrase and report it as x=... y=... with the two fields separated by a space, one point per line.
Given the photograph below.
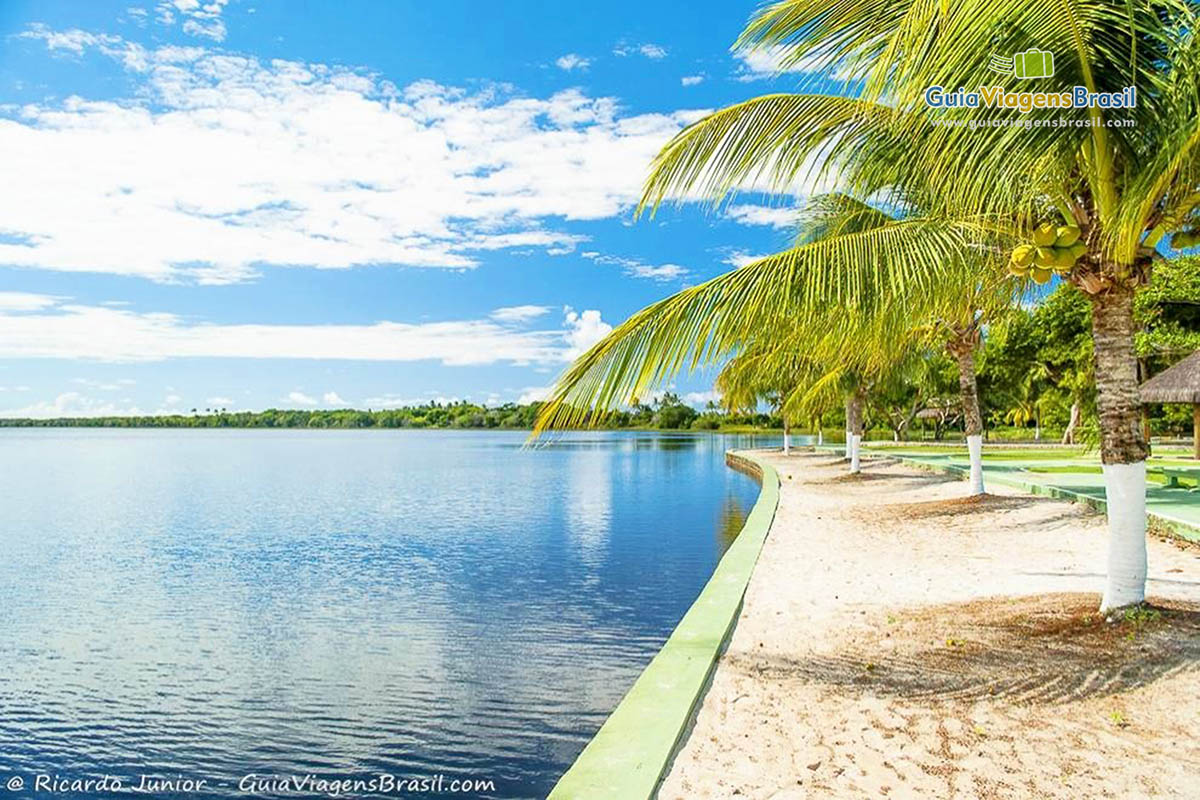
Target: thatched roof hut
x=1178 y=384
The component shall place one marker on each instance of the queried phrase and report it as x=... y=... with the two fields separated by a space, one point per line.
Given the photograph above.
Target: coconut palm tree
x=762 y=374
x=1122 y=189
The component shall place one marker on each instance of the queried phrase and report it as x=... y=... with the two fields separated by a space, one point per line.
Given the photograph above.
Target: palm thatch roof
x=1177 y=384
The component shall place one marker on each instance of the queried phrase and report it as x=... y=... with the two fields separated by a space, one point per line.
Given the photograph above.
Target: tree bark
x=963 y=350
x=1122 y=446
x=854 y=425
x=1072 y=422
x=849 y=423
x=1121 y=440
x=1196 y=431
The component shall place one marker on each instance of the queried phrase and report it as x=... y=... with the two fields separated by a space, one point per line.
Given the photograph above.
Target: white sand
x=867 y=663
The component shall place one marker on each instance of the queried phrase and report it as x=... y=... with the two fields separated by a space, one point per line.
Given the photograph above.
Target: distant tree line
x=666 y=413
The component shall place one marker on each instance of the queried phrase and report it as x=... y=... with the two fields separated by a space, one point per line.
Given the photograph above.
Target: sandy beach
x=899 y=640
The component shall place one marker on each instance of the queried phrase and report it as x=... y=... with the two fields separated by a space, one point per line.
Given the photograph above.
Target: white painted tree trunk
x=849 y=442
x=975 y=449
x=855 y=441
x=1123 y=449
x=820 y=437
x=787 y=439
x=1125 y=490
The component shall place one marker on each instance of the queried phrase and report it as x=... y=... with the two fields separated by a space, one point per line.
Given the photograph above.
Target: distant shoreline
x=666 y=414
x=187 y=423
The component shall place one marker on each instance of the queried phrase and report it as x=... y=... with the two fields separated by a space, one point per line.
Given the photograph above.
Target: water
x=214 y=604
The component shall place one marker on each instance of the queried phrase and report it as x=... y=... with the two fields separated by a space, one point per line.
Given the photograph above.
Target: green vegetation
x=666 y=413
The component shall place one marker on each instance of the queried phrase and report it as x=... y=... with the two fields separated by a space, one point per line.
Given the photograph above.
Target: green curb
x=631 y=753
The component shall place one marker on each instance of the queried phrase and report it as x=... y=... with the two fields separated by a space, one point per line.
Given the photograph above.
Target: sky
x=252 y=204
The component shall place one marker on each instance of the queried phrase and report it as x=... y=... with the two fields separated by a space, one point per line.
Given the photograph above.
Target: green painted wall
x=630 y=754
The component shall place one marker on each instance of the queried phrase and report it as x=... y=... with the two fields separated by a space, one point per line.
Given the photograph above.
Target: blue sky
x=252 y=204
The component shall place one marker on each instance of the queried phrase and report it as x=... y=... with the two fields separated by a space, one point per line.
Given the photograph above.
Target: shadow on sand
x=1044 y=649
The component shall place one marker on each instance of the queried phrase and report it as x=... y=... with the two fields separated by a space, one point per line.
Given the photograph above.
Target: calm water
x=210 y=604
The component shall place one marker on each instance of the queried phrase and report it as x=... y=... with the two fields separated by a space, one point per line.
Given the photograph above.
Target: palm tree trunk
x=1072 y=422
x=856 y=429
x=1122 y=447
x=787 y=437
x=849 y=424
x=964 y=353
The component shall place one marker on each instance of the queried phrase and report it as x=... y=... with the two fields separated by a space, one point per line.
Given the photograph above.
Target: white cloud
x=700 y=399
x=299 y=399
x=583 y=330
x=768 y=62
x=69 y=331
x=25 y=301
x=222 y=165
x=740 y=258
x=691 y=80
x=73 y=40
x=572 y=61
x=519 y=313
x=775 y=216
x=199 y=18
x=71 y=404
x=533 y=394
x=104 y=386
x=648 y=49
x=661 y=273
x=400 y=401
x=173 y=400
x=637 y=269
x=220 y=402
x=333 y=399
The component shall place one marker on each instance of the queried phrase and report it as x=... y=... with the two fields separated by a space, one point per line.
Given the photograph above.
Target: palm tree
x=1126 y=188
x=763 y=373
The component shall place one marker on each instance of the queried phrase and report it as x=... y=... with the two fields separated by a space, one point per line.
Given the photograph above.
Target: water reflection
x=730 y=521
x=589 y=503
x=217 y=602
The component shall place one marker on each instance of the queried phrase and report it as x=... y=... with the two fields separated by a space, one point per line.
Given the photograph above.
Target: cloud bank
x=40 y=326
x=223 y=164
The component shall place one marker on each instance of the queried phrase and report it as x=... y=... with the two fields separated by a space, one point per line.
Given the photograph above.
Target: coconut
x=1063 y=258
x=1044 y=257
x=1045 y=235
x=1066 y=236
x=1040 y=275
x=1023 y=254
x=1078 y=249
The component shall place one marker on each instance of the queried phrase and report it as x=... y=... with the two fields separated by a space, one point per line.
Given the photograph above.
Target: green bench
x=1173 y=474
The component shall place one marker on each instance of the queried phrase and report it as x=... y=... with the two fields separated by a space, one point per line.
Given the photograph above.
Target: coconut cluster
x=1054 y=249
